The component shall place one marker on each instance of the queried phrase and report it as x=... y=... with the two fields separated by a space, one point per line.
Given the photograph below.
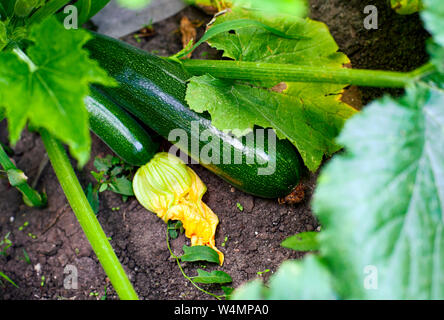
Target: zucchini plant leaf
x=199 y=253
x=308 y=279
x=436 y=56
x=304 y=241
x=292 y=7
x=48 y=85
x=215 y=276
x=309 y=115
x=433 y=17
x=381 y=203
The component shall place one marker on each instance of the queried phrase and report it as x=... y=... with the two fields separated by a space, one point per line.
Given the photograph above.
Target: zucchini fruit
x=122 y=133
x=153 y=90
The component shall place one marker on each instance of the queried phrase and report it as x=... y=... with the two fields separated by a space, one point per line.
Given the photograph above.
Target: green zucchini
x=153 y=90
x=122 y=133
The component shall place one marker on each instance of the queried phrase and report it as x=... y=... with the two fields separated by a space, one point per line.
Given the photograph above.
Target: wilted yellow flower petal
x=160 y=184
x=167 y=187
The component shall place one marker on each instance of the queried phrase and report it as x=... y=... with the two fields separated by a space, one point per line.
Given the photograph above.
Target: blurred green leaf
x=436 y=56
x=381 y=203
x=103 y=164
x=252 y=290
x=8 y=6
x=308 y=279
x=134 y=4
x=304 y=241
x=433 y=17
x=293 y=7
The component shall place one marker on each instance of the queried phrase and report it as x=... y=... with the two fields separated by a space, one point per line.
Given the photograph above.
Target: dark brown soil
x=397 y=44
x=53 y=239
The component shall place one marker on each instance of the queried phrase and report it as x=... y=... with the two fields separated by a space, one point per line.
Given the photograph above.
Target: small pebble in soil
x=38 y=268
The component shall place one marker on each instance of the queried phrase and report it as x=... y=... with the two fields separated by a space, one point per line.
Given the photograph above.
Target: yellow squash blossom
x=173 y=191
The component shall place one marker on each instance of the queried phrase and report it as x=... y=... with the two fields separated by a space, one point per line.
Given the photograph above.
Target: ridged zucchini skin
x=153 y=90
x=122 y=133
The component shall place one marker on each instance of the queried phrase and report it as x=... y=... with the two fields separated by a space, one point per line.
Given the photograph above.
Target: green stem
x=423 y=70
x=242 y=70
x=31 y=196
x=183 y=272
x=47 y=10
x=25 y=58
x=86 y=217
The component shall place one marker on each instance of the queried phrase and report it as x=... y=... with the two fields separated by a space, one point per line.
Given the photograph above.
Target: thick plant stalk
x=243 y=70
x=86 y=217
x=18 y=180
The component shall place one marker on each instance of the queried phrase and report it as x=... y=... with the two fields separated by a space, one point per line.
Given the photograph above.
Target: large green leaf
x=48 y=90
x=381 y=203
x=433 y=17
x=309 y=115
x=436 y=56
x=295 y=280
